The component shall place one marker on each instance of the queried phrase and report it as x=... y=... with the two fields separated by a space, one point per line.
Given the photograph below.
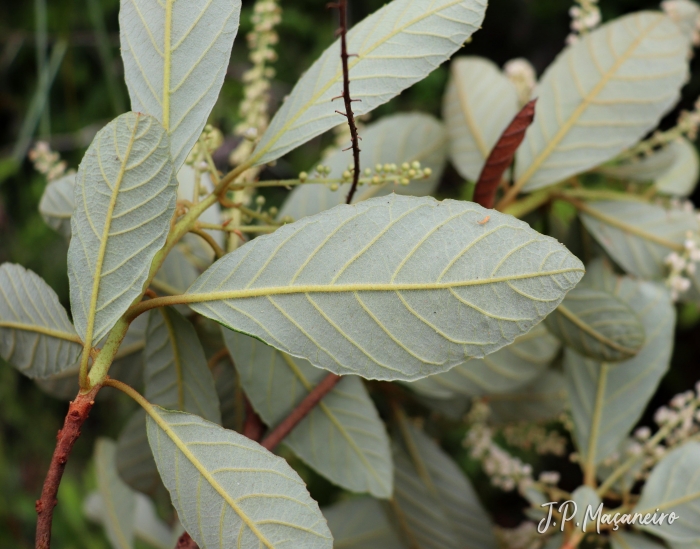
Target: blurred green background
x=87 y=92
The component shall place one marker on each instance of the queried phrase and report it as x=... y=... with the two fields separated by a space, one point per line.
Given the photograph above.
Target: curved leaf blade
x=541 y=400
x=227 y=489
x=175 y=59
x=56 y=204
x=389 y=288
x=674 y=486
x=617 y=81
x=176 y=375
x=124 y=201
x=479 y=103
x=607 y=399
x=597 y=324
x=396 y=46
x=638 y=236
x=504 y=371
x=343 y=437
x=361 y=523
x=682 y=177
x=36 y=336
x=391 y=140
x=646 y=168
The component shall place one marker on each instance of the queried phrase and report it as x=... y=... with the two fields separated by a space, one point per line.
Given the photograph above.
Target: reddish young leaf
x=502 y=155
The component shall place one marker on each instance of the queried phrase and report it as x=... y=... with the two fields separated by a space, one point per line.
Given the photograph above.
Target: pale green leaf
x=453 y=408
x=685 y=13
x=187 y=185
x=541 y=400
x=148 y=527
x=503 y=371
x=342 y=438
x=395 y=47
x=117 y=498
x=646 y=168
x=479 y=103
x=361 y=523
x=175 y=59
x=176 y=274
x=601 y=95
x=227 y=489
x=392 y=140
x=674 y=485
x=632 y=540
x=391 y=288
x=587 y=502
x=597 y=324
x=56 y=204
x=435 y=500
x=176 y=376
x=638 y=236
x=625 y=483
x=682 y=178
x=36 y=336
x=607 y=399
x=125 y=200
x=232 y=410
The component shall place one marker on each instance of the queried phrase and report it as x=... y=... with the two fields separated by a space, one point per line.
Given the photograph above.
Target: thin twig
x=253 y=428
x=342 y=6
x=78 y=412
x=218 y=250
x=300 y=412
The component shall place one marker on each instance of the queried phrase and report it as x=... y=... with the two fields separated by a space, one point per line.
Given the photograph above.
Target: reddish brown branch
x=300 y=412
x=254 y=426
x=78 y=412
x=501 y=156
x=342 y=6
x=186 y=542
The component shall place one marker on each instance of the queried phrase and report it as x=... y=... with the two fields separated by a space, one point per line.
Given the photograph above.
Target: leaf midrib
x=42 y=331
x=601 y=338
x=359 y=287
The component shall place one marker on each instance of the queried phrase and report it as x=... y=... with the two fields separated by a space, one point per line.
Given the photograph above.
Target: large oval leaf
x=395 y=47
x=601 y=95
x=503 y=371
x=343 y=437
x=175 y=59
x=607 y=399
x=229 y=490
x=124 y=201
x=682 y=178
x=479 y=103
x=36 y=336
x=361 y=523
x=638 y=236
x=597 y=324
x=56 y=204
x=176 y=375
x=392 y=140
x=392 y=288
x=117 y=498
x=674 y=485
x=435 y=502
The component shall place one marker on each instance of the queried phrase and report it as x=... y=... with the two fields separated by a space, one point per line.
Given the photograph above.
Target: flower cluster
x=522 y=74
x=682 y=267
x=46 y=161
x=267 y=14
x=505 y=471
x=585 y=16
x=210 y=140
x=382 y=174
x=530 y=436
x=681 y=11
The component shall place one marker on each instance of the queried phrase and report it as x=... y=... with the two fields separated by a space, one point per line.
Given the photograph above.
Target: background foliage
x=83 y=98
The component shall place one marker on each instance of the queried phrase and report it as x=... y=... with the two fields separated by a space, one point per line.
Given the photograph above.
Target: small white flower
x=643 y=433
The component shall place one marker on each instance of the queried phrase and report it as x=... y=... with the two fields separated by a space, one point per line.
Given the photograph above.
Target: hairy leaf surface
x=638 y=236
x=392 y=140
x=646 y=168
x=124 y=201
x=597 y=324
x=395 y=47
x=425 y=470
x=56 y=204
x=175 y=59
x=601 y=95
x=607 y=399
x=229 y=490
x=36 y=336
x=503 y=371
x=176 y=376
x=391 y=288
x=343 y=437
x=682 y=178
x=674 y=485
x=479 y=103
x=361 y=523
x=117 y=497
